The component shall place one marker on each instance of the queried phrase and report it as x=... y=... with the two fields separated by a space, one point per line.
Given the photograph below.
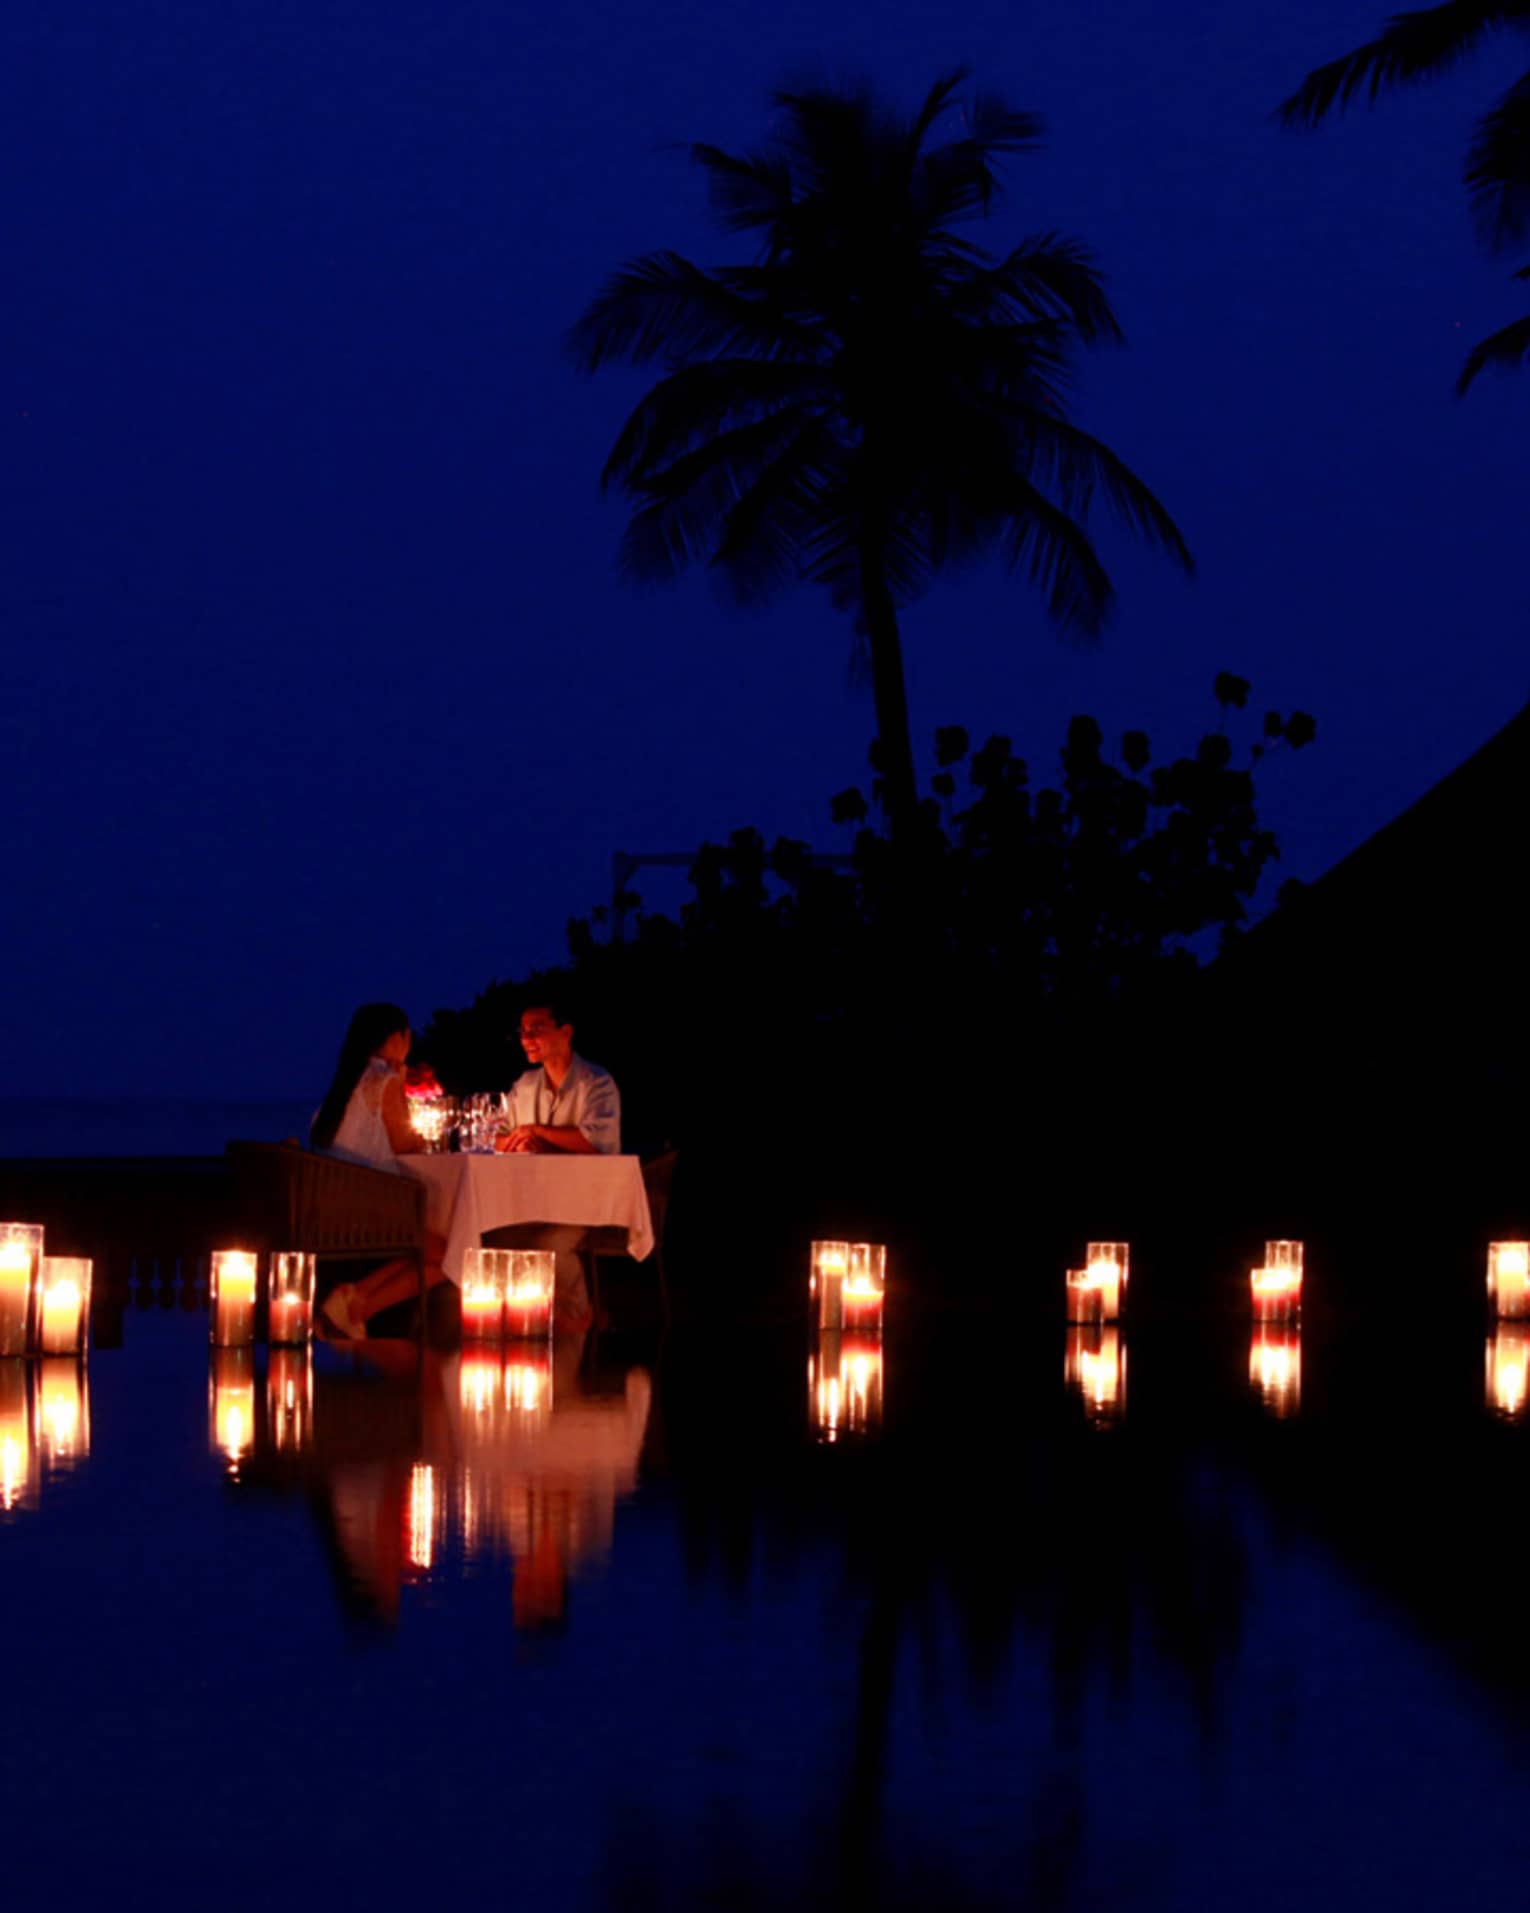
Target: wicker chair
x=286 y=1197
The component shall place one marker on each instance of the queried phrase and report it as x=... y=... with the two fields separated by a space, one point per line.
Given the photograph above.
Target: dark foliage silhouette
x=870 y=398
x=1423 y=45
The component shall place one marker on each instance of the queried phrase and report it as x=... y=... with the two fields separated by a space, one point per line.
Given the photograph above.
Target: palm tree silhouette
x=1422 y=46
x=871 y=398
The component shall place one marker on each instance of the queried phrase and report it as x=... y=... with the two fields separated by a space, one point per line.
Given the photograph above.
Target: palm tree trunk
x=899 y=792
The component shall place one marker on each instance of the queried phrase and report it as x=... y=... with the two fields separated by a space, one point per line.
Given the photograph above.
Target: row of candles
x=44 y=1299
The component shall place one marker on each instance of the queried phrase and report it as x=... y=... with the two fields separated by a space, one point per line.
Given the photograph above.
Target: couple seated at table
x=562 y=1104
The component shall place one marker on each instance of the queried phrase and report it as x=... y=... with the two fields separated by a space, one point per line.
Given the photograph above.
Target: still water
x=985 y=1617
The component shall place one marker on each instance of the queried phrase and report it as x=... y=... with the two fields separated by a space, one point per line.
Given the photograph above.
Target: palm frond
x=700 y=401
x=1058 y=558
x=746 y=191
x=663 y=306
x=1498 y=169
x=762 y=539
x=1048 y=276
x=1505 y=351
x=935 y=104
x=1078 y=466
x=1413 y=46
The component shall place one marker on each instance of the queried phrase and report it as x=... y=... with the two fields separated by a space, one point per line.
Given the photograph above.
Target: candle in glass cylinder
x=21 y=1245
x=232 y=1297
x=529 y=1293
x=864 y=1287
x=1509 y=1278
x=484 y=1275
x=828 y=1259
x=291 y=1302
x=63 y=1314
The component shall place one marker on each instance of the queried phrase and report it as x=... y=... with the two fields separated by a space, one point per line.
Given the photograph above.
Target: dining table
x=469 y=1194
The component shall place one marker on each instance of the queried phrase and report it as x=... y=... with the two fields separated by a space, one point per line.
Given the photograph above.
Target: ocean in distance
x=146 y=1126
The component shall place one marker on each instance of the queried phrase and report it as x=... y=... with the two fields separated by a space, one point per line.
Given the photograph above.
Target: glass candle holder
x=828 y=1261
x=231 y=1297
x=529 y=1293
x=61 y=1411
x=1508 y=1279
x=864 y=1289
x=231 y=1405
x=1276 y=1287
x=21 y=1247
x=1096 y=1291
x=291 y=1298
x=63 y=1306
x=485 y=1276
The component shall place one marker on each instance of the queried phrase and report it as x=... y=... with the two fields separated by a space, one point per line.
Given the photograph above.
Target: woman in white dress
x=364 y=1117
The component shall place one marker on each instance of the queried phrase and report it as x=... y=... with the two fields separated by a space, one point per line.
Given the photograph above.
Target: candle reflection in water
x=1508 y=1372
x=21 y=1247
x=423 y=1517
x=1095 y=1365
x=18 y=1459
x=1508 y=1279
x=231 y=1399
x=845 y=1383
x=1275 y=1368
x=62 y=1399
x=289 y=1399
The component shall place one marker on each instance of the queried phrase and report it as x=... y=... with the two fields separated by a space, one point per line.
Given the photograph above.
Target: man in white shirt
x=561 y=1104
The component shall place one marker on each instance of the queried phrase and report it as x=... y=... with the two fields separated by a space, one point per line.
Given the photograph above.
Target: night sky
x=319 y=683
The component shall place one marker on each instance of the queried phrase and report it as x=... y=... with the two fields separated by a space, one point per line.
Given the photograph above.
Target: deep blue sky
x=318 y=681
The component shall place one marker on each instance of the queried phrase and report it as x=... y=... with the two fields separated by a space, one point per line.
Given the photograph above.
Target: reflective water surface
x=756 y=1616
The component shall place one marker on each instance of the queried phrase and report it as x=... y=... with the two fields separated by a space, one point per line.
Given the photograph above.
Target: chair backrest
x=287 y=1197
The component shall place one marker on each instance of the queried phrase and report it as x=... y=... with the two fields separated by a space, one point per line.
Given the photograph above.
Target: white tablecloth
x=466 y=1196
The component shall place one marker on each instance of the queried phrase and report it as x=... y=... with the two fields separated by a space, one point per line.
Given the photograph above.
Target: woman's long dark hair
x=371 y=1027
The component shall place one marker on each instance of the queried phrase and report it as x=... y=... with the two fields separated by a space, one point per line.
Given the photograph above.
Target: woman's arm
x=395 y=1115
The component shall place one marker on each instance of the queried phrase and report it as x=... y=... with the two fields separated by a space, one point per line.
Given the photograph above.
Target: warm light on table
x=845 y=1383
x=231 y=1301
x=422 y=1518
